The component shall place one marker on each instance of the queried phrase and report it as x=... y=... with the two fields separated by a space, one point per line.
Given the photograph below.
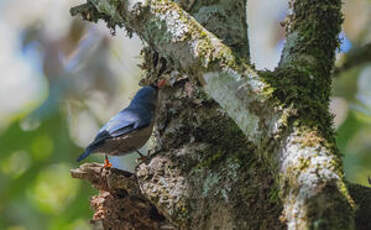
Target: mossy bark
x=236 y=148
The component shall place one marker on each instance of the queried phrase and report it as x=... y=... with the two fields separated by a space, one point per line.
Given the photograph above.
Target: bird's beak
x=161 y=83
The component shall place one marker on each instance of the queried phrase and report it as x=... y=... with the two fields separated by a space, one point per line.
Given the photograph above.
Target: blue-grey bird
x=129 y=129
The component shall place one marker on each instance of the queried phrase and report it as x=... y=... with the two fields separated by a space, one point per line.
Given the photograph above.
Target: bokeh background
x=62 y=78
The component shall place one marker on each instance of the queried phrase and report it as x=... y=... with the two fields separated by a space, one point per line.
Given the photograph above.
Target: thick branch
x=120 y=204
x=309 y=164
x=312 y=183
x=312 y=36
x=123 y=188
x=227 y=20
x=167 y=28
x=281 y=111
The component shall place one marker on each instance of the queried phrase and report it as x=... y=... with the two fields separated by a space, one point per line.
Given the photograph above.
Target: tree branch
x=312 y=184
x=284 y=114
x=240 y=90
x=355 y=57
x=362 y=197
x=123 y=186
x=227 y=20
x=310 y=167
x=312 y=35
x=120 y=204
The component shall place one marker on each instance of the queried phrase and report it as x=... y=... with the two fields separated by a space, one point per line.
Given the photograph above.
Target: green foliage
x=36 y=190
x=353 y=140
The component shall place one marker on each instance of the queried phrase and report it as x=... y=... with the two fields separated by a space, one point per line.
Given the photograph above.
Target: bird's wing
x=122 y=123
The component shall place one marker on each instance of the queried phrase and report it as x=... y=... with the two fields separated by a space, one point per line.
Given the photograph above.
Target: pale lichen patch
x=220 y=86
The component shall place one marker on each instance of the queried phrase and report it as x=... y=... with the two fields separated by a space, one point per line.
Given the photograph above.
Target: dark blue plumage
x=129 y=129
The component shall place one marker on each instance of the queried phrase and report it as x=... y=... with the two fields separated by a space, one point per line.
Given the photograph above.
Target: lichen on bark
x=230 y=139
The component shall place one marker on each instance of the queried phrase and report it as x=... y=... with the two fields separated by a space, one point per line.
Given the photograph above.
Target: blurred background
x=62 y=78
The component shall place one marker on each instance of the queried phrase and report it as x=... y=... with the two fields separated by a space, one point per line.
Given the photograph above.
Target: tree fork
x=289 y=135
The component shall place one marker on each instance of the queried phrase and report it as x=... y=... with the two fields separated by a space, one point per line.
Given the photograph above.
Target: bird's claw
x=107 y=164
x=142 y=159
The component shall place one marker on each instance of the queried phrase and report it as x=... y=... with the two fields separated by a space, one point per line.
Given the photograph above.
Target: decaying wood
x=119 y=204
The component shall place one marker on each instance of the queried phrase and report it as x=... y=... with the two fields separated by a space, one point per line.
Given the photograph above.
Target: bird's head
x=147 y=95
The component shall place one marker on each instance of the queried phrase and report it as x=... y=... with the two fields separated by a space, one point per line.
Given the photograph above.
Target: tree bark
x=237 y=148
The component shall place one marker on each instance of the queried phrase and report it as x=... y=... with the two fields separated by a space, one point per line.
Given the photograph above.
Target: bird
x=129 y=129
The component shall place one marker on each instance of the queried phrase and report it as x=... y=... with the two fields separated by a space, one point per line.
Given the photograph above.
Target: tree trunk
x=234 y=148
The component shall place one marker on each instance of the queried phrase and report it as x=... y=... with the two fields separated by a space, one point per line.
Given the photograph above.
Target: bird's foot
x=142 y=158
x=107 y=164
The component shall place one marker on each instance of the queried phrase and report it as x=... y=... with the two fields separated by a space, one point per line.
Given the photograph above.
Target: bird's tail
x=87 y=152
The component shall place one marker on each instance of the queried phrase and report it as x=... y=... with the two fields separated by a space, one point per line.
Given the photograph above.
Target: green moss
x=318 y=24
x=108 y=7
x=343 y=189
x=307 y=99
x=303 y=79
x=274 y=194
x=181 y=212
x=211 y=160
x=94 y=10
x=295 y=169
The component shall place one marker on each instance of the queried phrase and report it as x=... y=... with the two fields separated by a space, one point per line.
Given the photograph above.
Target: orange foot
x=107 y=164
